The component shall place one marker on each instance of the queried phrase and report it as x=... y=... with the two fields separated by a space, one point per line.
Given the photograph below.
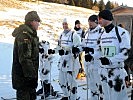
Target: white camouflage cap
x=64 y=20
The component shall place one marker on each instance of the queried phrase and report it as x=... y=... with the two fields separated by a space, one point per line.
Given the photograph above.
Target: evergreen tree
x=71 y=2
x=101 y=5
x=108 y=5
x=115 y=4
x=48 y=0
x=122 y=4
x=84 y=3
x=95 y=6
x=78 y=3
x=57 y=1
x=89 y=4
x=112 y=5
x=95 y=3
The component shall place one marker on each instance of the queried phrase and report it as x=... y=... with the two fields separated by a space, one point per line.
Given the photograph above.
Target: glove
x=87 y=50
x=88 y=58
x=104 y=61
x=61 y=52
x=41 y=50
x=75 y=50
x=50 y=51
x=118 y=84
x=91 y=50
x=31 y=82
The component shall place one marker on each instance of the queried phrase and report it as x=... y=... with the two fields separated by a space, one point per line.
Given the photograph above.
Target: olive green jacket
x=25 y=56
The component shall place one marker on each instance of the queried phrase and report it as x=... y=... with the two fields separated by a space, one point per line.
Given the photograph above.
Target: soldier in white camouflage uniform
x=68 y=63
x=115 y=43
x=92 y=54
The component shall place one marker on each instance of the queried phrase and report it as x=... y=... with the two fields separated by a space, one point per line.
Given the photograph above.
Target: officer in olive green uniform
x=26 y=58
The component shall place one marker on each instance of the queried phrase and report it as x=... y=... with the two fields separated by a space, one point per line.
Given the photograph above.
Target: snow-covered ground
x=5 y=73
x=51 y=26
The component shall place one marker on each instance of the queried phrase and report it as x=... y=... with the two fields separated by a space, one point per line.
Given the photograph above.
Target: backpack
x=83 y=34
x=127 y=62
x=71 y=37
x=117 y=34
x=100 y=31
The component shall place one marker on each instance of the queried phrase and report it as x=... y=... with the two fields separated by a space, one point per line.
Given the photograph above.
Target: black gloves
x=87 y=50
x=88 y=58
x=75 y=50
x=118 y=84
x=104 y=61
x=31 y=82
x=50 y=51
x=41 y=50
x=61 y=52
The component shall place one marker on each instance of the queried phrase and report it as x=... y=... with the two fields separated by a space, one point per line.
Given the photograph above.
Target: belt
x=113 y=68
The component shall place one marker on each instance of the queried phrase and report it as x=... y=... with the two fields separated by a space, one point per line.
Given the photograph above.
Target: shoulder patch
x=26 y=39
x=117 y=34
x=24 y=32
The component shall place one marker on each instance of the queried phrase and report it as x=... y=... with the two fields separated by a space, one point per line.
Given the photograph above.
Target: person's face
x=78 y=25
x=35 y=24
x=65 y=26
x=102 y=22
x=92 y=24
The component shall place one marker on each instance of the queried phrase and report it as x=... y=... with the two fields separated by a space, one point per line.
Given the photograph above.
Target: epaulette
x=25 y=32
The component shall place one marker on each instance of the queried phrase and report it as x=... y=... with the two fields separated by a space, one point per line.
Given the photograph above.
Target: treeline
x=90 y=4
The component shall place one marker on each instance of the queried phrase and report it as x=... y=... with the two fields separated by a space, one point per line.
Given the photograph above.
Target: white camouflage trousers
x=67 y=81
x=113 y=84
x=93 y=81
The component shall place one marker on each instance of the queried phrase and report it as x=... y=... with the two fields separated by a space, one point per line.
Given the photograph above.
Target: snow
x=5 y=73
x=51 y=26
x=5 y=70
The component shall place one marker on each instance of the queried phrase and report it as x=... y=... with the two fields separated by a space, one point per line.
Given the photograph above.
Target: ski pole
x=87 y=80
x=43 y=97
x=50 y=77
x=72 y=76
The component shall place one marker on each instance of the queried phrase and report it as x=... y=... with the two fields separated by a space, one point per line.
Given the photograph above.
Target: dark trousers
x=26 y=94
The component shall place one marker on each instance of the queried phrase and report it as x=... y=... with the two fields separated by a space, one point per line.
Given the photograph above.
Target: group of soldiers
x=105 y=46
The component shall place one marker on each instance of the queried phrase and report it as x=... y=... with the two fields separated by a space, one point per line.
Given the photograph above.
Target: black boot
x=40 y=91
x=54 y=93
x=64 y=98
x=49 y=89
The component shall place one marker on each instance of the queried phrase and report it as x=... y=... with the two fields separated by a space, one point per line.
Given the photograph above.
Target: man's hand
x=75 y=50
x=61 y=52
x=87 y=50
x=41 y=50
x=50 y=51
x=104 y=61
x=88 y=58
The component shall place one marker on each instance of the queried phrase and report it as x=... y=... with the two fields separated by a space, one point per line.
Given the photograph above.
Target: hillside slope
x=13 y=12
x=11 y=4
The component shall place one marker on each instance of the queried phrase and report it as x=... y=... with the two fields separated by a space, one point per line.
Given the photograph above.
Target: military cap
x=77 y=22
x=31 y=16
x=93 y=18
x=106 y=14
